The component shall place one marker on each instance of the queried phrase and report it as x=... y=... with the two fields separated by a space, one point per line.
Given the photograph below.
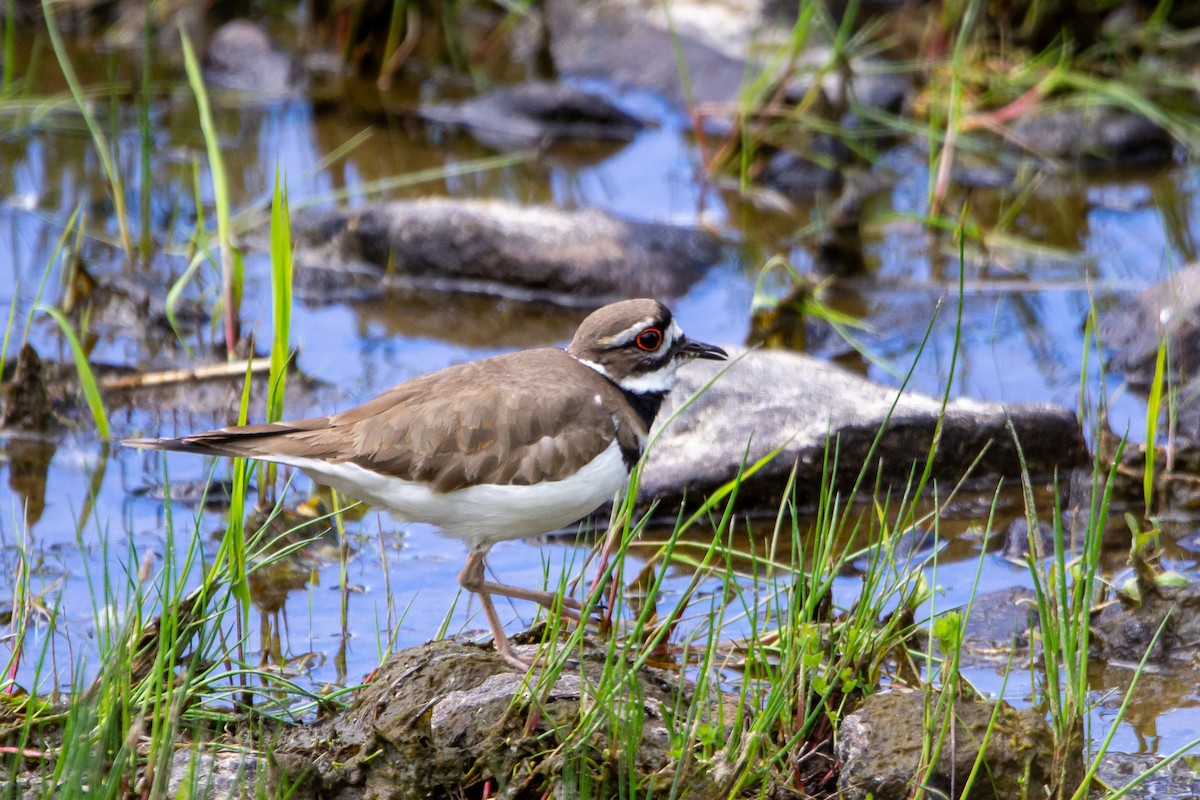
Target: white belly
x=484 y=514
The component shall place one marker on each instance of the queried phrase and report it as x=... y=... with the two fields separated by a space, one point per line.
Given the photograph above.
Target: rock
x=1124 y=630
x=572 y=258
x=1017 y=541
x=798 y=177
x=999 y=620
x=1187 y=424
x=879 y=746
x=133 y=304
x=632 y=42
x=866 y=82
x=26 y=403
x=773 y=399
x=1093 y=137
x=242 y=58
x=223 y=775
x=447 y=718
x=1169 y=308
x=533 y=114
x=1178 y=779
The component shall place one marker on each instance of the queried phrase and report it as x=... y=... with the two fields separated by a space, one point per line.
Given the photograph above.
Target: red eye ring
x=649 y=340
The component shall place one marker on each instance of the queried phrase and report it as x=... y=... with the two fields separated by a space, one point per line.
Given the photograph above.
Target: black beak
x=693 y=349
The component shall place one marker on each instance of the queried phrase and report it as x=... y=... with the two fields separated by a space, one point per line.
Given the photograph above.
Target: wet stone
x=799 y=176
x=880 y=746
x=536 y=113
x=441 y=718
x=214 y=776
x=1125 y=630
x=531 y=253
x=633 y=42
x=242 y=58
x=1018 y=544
x=1000 y=621
x=798 y=404
x=1093 y=137
x=1169 y=308
x=26 y=402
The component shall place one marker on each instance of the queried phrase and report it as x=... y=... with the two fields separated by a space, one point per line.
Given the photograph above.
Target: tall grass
x=232 y=268
x=104 y=151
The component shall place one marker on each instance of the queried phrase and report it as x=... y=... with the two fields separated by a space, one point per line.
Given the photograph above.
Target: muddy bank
x=448 y=717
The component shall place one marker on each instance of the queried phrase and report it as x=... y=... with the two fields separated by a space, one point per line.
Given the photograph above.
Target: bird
x=505 y=447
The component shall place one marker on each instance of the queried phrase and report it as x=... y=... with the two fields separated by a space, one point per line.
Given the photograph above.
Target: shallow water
x=1022 y=318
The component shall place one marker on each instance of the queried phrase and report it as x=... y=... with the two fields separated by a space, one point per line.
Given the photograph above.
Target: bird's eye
x=649 y=339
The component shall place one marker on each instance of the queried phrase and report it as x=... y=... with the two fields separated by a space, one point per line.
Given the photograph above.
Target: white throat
x=658 y=382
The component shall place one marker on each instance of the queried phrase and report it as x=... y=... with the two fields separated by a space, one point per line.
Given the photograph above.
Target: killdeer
x=502 y=448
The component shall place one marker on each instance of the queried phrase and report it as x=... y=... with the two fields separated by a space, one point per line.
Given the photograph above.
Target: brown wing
x=514 y=419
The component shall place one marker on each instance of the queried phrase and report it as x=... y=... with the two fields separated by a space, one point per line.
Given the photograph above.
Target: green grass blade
x=231 y=263
x=87 y=379
x=103 y=151
x=1153 y=410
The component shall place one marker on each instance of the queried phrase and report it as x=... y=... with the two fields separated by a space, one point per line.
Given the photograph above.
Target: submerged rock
x=1170 y=309
x=634 y=42
x=770 y=400
x=1000 y=622
x=572 y=258
x=1092 y=137
x=242 y=58
x=799 y=176
x=1125 y=630
x=448 y=718
x=535 y=113
x=25 y=401
x=880 y=747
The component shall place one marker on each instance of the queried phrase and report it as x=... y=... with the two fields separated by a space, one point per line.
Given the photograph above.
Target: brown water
x=1022 y=341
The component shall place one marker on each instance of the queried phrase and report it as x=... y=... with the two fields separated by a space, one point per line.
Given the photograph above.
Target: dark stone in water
x=1124 y=630
x=532 y=253
x=1093 y=137
x=1017 y=542
x=999 y=621
x=880 y=747
x=26 y=401
x=800 y=176
x=1170 y=309
x=799 y=404
x=535 y=114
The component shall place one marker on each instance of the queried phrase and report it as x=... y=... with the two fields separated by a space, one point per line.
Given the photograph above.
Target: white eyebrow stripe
x=670 y=335
x=626 y=336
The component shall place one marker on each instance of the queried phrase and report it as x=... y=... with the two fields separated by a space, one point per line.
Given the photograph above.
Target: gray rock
x=571 y=258
x=213 y=776
x=1178 y=779
x=632 y=42
x=870 y=82
x=798 y=176
x=774 y=399
x=1093 y=137
x=1169 y=308
x=535 y=113
x=880 y=744
x=242 y=58
x=1125 y=630
x=999 y=621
